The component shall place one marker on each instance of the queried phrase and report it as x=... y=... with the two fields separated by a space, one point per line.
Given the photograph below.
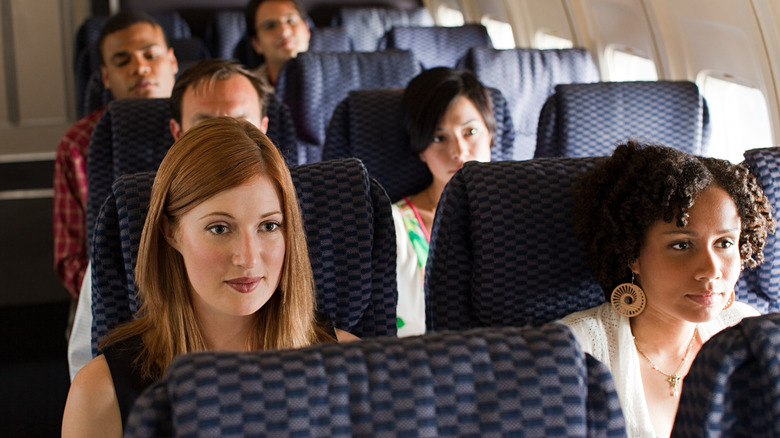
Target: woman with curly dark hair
x=666 y=235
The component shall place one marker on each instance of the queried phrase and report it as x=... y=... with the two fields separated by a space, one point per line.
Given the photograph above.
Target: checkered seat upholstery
x=503 y=249
x=527 y=77
x=582 y=120
x=436 y=46
x=733 y=386
x=349 y=230
x=488 y=383
x=312 y=84
x=134 y=136
x=368 y=125
x=366 y=25
x=760 y=287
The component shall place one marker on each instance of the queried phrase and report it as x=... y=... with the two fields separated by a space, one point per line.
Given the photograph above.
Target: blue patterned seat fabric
x=436 y=46
x=760 y=287
x=733 y=386
x=368 y=125
x=483 y=383
x=349 y=230
x=313 y=83
x=582 y=120
x=503 y=250
x=134 y=136
x=366 y=25
x=527 y=77
x=223 y=31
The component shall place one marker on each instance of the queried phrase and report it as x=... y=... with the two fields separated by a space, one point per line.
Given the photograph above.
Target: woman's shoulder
x=92 y=403
x=587 y=317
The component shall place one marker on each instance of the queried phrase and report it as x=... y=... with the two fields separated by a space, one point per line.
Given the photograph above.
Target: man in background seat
x=278 y=31
x=136 y=62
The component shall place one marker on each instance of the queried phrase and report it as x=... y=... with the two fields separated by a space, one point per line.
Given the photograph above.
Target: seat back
x=366 y=25
x=349 y=230
x=591 y=119
x=497 y=382
x=368 y=125
x=760 y=287
x=436 y=46
x=223 y=31
x=134 y=135
x=733 y=386
x=527 y=77
x=313 y=83
x=503 y=250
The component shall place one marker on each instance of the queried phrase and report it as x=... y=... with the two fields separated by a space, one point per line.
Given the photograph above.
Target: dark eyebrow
x=691 y=233
x=126 y=53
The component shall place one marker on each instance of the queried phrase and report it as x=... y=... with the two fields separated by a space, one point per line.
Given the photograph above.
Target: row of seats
x=367 y=124
x=506 y=287
x=485 y=243
x=225 y=37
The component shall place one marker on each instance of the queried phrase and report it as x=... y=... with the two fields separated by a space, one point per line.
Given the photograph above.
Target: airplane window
x=626 y=64
x=448 y=16
x=500 y=33
x=546 y=39
x=738 y=115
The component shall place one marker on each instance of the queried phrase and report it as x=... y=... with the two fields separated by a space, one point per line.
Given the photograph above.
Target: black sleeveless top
x=128 y=382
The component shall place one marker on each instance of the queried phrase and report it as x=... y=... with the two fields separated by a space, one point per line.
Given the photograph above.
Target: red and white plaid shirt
x=70 y=202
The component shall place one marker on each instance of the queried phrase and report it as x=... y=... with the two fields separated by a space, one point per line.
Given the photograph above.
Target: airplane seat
x=733 y=386
x=349 y=230
x=760 y=287
x=313 y=83
x=488 y=382
x=133 y=135
x=591 y=119
x=527 y=77
x=367 y=25
x=436 y=46
x=87 y=58
x=223 y=31
x=503 y=249
x=368 y=124
x=95 y=95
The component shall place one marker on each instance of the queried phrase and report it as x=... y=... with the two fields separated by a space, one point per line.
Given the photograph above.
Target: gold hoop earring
x=628 y=299
x=730 y=301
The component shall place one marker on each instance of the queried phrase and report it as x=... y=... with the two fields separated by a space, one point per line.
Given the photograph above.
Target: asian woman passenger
x=222 y=265
x=448 y=118
x=666 y=234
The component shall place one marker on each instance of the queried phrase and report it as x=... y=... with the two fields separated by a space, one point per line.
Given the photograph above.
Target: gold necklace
x=673 y=379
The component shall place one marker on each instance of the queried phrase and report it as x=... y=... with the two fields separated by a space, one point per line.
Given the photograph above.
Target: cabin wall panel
x=531 y=16
x=38 y=55
x=616 y=22
x=4 y=108
x=721 y=36
x=768 y=14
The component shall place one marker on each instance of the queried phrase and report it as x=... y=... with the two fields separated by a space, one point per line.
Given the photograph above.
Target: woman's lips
x=705 y=299
x=244 y=284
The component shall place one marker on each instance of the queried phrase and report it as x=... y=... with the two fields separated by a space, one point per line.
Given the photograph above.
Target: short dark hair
x=251 y=11
x=122 y=21
x=616 y=203
x=429 y=94
x=211 y=70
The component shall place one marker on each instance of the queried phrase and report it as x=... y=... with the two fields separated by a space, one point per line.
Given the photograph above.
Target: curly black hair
x=617 y=202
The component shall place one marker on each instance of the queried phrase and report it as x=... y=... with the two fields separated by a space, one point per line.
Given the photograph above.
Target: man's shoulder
x=82 y=129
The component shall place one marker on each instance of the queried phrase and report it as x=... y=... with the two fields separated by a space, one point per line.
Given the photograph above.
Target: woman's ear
x=634 y=267
x=169 y=233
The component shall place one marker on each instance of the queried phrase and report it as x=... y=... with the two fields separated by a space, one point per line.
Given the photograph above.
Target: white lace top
x=606 y=335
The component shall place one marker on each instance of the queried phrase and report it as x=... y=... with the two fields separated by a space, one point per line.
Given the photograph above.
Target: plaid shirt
x=70 y=203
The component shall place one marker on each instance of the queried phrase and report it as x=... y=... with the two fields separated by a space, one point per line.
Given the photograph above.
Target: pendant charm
x=674 y=382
